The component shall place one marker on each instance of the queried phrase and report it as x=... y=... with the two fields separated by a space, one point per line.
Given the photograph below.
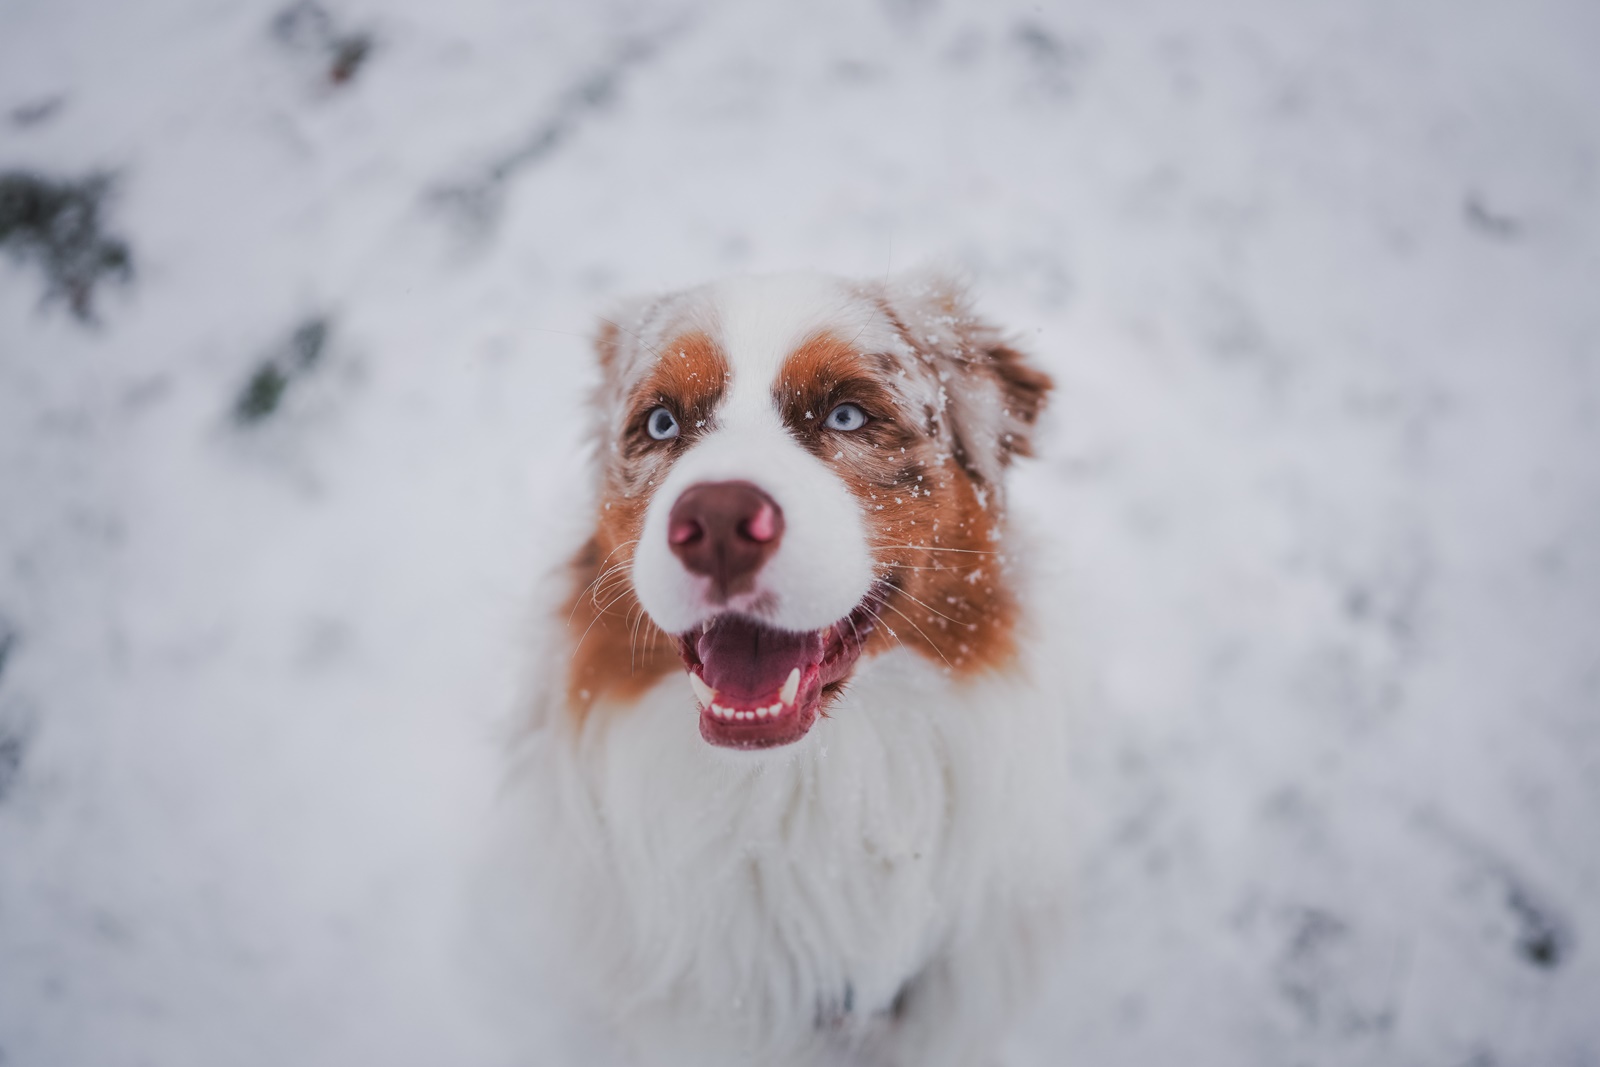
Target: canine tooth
x=702 y=692
x=791 y=687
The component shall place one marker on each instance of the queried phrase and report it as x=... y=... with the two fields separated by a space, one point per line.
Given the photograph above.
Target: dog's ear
x=607 y=338
x=617 y=345
x=621 y=353
x=990 y=396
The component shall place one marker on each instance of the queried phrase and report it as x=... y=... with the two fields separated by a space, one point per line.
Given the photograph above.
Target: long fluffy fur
x=879 y=892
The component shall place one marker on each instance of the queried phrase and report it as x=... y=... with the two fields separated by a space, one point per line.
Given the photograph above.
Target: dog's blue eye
x=846 y=417
x=661 y=424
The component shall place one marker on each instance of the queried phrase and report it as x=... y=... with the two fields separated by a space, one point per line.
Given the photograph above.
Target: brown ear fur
x=1025 y=390
x=995 y=397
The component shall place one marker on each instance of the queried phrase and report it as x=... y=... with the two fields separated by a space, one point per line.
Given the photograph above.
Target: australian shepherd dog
x=792 y=789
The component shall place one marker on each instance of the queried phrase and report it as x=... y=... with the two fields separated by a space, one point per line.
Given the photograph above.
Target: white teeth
x=791 y=688
x=771 y=711
x=702 y=692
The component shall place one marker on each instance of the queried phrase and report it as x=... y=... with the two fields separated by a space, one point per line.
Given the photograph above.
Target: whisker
x=633 y=634
x=931 y=608
x=597 y=616
x=851 y=619
x=616 y=568
x=606 y=580
x=605 y=609
x=933 y=548
x=936 y=566
x=600 y=578
x=620 y=546
x=606 y=592
x=919 y=630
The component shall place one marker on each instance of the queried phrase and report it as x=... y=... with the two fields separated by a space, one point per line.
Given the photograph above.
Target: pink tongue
x=747 y=661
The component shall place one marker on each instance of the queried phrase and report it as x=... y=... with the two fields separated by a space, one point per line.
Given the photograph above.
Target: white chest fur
x=760 y=906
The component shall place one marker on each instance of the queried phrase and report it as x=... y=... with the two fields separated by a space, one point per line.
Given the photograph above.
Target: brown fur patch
x=1024 y=389
x=932 y=534
x=618 y=653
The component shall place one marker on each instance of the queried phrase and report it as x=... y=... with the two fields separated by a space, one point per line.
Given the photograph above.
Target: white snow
x=1320 y=286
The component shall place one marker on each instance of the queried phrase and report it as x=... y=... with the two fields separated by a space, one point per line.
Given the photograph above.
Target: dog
x=792 y=789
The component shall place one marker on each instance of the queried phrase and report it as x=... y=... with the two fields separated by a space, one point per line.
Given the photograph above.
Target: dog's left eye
x=662 y=425
x=846 y=417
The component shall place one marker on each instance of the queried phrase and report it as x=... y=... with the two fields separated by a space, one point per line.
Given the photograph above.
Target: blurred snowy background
x=293 y=308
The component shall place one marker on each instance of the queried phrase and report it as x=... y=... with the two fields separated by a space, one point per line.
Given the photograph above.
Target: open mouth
x=760 y=687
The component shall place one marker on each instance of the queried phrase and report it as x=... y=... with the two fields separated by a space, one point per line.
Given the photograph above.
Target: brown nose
x=725 y=531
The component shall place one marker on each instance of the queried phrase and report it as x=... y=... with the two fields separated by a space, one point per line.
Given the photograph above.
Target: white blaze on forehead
x=762 y=320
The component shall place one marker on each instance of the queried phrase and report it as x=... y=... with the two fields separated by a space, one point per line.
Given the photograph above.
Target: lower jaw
x=784 y=728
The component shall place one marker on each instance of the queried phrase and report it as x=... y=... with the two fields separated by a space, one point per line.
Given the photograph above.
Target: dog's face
x=796 y=472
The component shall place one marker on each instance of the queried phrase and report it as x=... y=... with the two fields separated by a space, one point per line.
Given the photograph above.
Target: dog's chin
x=760 y=686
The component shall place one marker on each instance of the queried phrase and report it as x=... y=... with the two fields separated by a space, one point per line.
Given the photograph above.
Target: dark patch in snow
x=37 y=113
x=1323 y=970
x=348 y=55
x=902 y=998
x=1055 y=62
x=13 y=746
x=8 y=642
x=58 y=224
x=1484 y=219
x=308 y=27
x=264 y=392
x=1542 y=938
x=1391 y=599
x=1314 y=935
x=13 y=735
x=475 y=203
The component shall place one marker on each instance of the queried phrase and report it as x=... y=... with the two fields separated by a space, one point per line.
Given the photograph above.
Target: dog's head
x=797 y=471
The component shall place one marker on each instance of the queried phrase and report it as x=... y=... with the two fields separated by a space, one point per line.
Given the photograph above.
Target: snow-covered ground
x=1319 y=283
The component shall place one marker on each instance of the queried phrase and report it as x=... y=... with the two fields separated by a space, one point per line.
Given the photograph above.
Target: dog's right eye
x=662 y=425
